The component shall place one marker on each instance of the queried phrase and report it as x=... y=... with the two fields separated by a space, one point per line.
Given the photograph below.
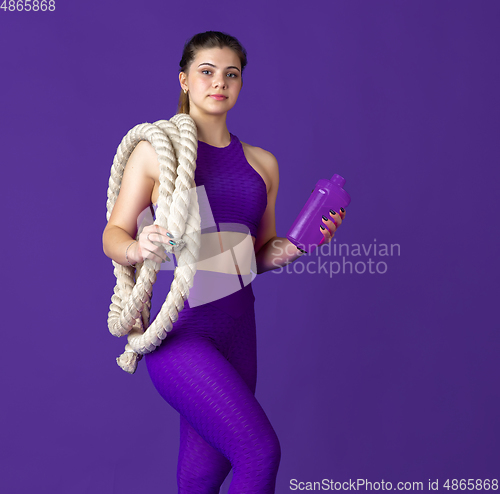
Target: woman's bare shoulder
x=145 y=153
x=265 y=157
x=264 y=162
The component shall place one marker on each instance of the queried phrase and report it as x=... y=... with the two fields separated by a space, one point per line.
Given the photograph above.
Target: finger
x=336 y=218
x=153 y=256
x=342 y=212
x=158 y=255
x=156 y=252
x=157 y=229
x=163 y=231
x=329 y=223
x=162 y=239
x=328 y=236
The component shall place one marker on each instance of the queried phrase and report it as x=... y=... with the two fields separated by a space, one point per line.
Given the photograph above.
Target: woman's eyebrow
x=212 y=65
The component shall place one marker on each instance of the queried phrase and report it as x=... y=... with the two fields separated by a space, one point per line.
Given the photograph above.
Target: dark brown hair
x=208 y=39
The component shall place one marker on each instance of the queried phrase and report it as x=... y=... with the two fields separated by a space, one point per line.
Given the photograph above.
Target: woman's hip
x=226 y=292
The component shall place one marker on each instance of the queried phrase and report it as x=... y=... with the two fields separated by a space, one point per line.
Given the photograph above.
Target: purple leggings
x=206 y=368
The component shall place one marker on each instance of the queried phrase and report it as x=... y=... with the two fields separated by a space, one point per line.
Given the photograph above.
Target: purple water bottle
x=328 y=194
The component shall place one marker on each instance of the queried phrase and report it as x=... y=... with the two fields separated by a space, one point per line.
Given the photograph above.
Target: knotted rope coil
x=175 y=142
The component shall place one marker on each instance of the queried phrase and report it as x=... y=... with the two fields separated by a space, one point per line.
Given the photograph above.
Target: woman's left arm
x=271 y=251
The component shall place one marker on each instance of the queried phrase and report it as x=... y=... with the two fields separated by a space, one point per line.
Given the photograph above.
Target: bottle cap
x=338 y=180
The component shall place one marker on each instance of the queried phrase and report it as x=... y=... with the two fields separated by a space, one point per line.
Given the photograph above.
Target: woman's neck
x=212 y=129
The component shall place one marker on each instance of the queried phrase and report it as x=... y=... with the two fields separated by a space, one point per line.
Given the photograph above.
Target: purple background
x=375 y=376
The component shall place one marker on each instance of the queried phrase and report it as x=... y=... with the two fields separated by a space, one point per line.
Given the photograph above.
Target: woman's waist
x=227 y=252
x=208 y=287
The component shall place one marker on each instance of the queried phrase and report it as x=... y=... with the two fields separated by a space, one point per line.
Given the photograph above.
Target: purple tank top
x=235 y=190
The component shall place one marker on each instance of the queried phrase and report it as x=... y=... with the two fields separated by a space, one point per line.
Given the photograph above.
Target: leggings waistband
x=225 y=291
x=210 y=286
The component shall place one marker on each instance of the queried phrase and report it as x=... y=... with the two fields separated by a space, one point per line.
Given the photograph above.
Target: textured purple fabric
x=236 y=191
x=206 y=368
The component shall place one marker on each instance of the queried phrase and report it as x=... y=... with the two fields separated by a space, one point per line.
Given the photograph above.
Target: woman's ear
x=182 y=80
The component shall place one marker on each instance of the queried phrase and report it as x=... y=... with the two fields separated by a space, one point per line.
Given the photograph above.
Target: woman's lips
x=218 y=97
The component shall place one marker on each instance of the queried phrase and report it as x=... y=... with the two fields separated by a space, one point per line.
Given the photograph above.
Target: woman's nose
x=219 y=82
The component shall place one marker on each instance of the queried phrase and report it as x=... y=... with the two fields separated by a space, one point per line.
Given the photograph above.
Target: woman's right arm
x=139 y=177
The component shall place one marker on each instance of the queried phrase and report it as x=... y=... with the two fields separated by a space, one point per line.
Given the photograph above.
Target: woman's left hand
x=330 y=224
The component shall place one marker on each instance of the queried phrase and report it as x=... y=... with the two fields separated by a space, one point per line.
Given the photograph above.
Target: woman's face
x=213 y=81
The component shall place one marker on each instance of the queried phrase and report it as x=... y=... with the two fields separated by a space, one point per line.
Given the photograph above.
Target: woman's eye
x=230 y=74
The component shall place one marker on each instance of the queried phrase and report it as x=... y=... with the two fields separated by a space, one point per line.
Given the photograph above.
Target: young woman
x=206 y=366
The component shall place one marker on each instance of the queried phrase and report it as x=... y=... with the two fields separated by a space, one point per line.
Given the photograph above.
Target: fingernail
x=333 y=212
x=171 y=242
x=170 y=235
x=325 y=218
x=322 y=227
x=342 y=209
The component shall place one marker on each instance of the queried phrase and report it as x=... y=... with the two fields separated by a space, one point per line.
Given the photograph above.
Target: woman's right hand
x=144 y=248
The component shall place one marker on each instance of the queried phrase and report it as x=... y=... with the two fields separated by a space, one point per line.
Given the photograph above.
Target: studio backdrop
x=378 y=353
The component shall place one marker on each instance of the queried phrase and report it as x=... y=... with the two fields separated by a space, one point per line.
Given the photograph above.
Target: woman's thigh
x=204 y=387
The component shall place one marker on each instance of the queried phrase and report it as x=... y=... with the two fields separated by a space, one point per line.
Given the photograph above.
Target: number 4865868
x=28 y=5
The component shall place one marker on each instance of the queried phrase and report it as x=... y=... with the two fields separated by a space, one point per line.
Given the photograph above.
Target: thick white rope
x=176 y=143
